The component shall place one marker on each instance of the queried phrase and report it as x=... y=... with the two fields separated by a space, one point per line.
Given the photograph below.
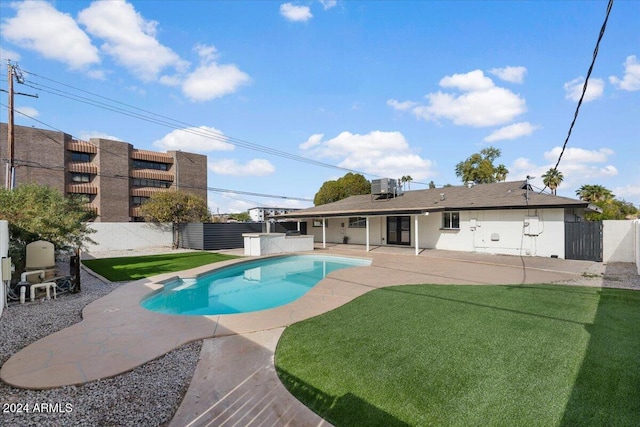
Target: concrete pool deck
x=235 y=378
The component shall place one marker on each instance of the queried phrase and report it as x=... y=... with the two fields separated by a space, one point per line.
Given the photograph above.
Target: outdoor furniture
x=46 y=286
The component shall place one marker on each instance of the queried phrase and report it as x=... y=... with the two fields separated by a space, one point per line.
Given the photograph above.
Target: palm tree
x=552 y=179
x=501 y=173
x=408 y=179
x=594 y=193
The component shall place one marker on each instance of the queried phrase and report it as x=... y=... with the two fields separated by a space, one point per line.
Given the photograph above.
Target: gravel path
x=147 y=396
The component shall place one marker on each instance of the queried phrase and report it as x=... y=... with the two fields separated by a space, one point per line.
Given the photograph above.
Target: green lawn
x=138 y=267
x=470 y=355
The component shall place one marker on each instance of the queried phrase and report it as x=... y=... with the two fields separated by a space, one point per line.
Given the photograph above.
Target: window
x=451 y=220
x=80 y=157
x=317 y=223
x=139 y=182
x=138 y=200
x=144 y=164
x=80 y=177
x=84 y=198
x=357 y=222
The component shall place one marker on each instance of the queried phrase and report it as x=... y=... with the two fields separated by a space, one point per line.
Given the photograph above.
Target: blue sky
x=276 y=92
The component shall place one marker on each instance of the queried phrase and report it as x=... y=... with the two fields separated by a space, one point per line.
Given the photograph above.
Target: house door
x=398 y=230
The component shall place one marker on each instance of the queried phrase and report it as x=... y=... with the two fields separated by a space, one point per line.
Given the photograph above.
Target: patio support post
x=415 y=220
x=324 y=233
x=367 y=234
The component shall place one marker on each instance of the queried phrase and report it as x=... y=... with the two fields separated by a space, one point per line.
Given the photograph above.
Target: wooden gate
x=583 y=240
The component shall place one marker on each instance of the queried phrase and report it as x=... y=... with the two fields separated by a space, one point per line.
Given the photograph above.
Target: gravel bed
x=147 y=396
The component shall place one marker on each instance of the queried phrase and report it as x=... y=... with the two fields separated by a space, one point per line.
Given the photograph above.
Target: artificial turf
x=470 y=355
x=138 y=267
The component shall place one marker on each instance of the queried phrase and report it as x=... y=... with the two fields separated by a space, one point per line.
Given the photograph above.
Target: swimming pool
x=248 y=286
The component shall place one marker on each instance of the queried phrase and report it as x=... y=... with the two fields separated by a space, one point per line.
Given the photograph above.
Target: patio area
x=117 y=335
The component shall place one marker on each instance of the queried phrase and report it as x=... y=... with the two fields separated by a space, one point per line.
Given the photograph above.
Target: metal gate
x=583 y=240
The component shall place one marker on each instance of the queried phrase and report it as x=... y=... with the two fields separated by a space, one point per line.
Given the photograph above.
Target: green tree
x=406 y=179
x=479 y=167
x=594 y=193
x=175 y=207
x=352 y=184
x=241 y=217
x=501 y=173
x=552 y=179
x=37 y=212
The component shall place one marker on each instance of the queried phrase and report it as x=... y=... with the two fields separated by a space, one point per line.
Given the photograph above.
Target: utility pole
x=11 y=135
x=12 y=71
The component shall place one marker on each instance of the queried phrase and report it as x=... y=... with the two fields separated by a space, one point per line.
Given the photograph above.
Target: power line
x=173 y=123
x=38 y=165
x=586 y=82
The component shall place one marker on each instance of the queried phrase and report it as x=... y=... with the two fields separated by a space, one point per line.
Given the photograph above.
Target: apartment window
x=80 y=157
x=80 y=177
x=138 y=200
x=145 y=164
x=451 y=220
x=84 y=198
x=358 y=222
x=139 y=182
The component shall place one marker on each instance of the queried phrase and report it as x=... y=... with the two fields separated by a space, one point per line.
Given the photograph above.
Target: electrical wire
x=584 y=87
x=32 y=164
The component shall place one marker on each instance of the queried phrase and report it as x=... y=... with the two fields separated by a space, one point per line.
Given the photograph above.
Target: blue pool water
x=247 y=287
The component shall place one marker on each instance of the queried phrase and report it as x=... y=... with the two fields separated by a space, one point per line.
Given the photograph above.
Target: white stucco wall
x=495 y=232
x=618 y=241
x=111 y=236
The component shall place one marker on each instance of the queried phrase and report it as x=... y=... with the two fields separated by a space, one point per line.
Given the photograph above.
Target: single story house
x=501 y=218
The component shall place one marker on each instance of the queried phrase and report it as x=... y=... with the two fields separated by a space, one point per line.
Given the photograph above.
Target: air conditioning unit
x=386 y=187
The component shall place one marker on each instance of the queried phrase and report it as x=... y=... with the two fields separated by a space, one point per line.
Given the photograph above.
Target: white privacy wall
x=110 y=236
x=618 y=241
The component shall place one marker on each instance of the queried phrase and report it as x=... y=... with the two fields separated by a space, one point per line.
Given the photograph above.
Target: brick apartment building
x=113 y=177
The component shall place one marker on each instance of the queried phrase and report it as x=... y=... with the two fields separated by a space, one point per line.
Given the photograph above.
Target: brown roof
x=501 y=195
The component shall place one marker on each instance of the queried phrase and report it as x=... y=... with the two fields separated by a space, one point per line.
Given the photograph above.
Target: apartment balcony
x=151 y=174
x=151 y=156
x=135 y=211
x=82 y=189
x=145 y=191
x=81 y=147
x=82 y=168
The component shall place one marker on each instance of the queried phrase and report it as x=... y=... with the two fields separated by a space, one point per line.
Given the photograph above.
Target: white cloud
x=199 y=139
x=28 y=111
x=295 y=13
x=401 y=106
x=573 y=89
x=480 y=104
x=210 y=81
x=328 y=4
x=510 y=74
x=468 y=82
x=313 y=141
x=578 y=166
x=38 y=26
x=513 y=131
x=86 y=135
x=129 y=38
x=7 y=54
x=255 y=167
x=379 y=153
x=628 y=191
x=631 y=79
x=579 y=155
